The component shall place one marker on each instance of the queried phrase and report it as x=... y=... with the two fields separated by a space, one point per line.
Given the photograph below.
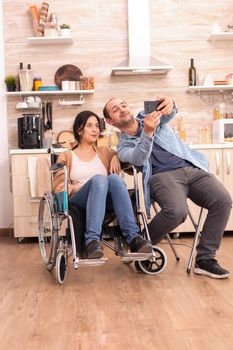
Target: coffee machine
x=30 y=131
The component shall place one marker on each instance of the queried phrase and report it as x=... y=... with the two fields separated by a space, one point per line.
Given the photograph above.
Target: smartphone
x=151 y=106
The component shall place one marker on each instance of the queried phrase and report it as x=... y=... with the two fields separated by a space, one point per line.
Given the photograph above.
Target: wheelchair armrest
x=57 y=166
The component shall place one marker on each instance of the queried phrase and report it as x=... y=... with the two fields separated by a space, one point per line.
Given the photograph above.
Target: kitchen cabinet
x=221 y=165
x=25 y=207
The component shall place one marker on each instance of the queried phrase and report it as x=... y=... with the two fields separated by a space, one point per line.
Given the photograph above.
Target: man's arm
x=135 y=150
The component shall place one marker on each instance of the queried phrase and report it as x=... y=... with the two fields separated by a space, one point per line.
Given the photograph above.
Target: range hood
x=140 y=60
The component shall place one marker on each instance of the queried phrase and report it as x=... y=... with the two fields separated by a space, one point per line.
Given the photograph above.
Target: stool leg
x=196 y=237
x=172 y=247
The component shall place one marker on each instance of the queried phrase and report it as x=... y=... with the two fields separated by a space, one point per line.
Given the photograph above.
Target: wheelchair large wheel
x=48 y=236
x=61 y=266
x=154 y=265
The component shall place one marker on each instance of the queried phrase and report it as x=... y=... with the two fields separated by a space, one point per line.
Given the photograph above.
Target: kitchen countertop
x=36 y=151
x=59 y=150
x=212 y=145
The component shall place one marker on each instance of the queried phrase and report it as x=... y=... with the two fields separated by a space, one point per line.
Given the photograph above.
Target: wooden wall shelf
x=212 y=88
x=221 y=36
x=58 y=40
x=60 y=92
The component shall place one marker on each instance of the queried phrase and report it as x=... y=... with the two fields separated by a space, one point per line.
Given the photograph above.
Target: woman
x=94 y=184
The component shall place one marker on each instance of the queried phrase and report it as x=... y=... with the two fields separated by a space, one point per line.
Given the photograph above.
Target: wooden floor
x=112 y=307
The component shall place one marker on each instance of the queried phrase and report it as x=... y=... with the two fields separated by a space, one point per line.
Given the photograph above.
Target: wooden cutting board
x=67 y=72
x=66 y=139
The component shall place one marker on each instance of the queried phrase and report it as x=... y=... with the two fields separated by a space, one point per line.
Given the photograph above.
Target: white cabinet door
x=25 y=207
x=215 y=162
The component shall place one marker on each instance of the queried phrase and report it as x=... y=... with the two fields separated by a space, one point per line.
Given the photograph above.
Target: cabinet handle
x=228 y=162
x=217 y=163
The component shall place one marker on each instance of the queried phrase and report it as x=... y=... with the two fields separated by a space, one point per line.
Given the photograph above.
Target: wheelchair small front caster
x=155 y=265
x=61 y=266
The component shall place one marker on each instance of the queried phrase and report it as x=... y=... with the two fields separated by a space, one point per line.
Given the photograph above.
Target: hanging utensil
x=49 y=123
x=43 y=116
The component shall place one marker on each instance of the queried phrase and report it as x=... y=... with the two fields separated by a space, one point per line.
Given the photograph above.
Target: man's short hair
x=105 y=111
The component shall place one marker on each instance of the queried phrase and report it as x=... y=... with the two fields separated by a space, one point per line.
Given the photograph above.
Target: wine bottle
x=192 y=74
x=22 y=78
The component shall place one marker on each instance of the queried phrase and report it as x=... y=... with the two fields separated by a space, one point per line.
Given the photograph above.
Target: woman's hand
x=115 y=165
x=75 y=187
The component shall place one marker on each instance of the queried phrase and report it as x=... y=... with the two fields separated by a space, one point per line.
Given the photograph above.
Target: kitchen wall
x=5 y=195
x=179 y=31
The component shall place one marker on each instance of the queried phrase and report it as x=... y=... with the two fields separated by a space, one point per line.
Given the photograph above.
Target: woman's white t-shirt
x=82 y=171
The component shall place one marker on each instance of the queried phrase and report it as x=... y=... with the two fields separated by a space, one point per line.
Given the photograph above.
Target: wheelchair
x=56 y=246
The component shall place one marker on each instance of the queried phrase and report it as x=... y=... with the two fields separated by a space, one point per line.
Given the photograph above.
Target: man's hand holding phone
x=151 y=106
x=152 y=119
x=164 y=104
x=154 y=110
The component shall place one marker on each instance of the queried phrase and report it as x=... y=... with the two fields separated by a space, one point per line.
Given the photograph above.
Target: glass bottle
x=22 y=78
x=182 y=132
x=192 y=74
x=222 y=110
x=207 y=135
x=200 y=135
x=17 y=83
x=216 y=113
x=29 y=78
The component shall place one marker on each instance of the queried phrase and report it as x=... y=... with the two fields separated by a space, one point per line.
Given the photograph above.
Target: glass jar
x=37 y=82
x=84 y=85
x=91 y=83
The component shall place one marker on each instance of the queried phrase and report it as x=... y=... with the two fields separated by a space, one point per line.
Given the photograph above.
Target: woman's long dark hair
x=80 y=122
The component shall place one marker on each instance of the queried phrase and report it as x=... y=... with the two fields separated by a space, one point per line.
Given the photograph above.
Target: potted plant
x=65 y=29
x=10 y=81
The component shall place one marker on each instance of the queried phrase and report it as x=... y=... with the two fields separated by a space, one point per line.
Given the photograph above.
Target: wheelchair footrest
x=92 y=262
x=137 y=256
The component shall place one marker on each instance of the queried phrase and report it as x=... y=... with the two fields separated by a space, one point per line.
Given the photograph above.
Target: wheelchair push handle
x=57 y=166
x=128 y=168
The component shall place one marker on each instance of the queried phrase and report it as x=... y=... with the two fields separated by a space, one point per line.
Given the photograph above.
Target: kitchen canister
x=65 y=85
x=37 y=82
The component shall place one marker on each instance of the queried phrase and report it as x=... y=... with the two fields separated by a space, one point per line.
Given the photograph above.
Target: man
x=172 y=172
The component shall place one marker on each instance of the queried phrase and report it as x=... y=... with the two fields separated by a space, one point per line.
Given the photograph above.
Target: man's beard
x=125 y=123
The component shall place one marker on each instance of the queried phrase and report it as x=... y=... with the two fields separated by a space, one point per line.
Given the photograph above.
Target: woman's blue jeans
x=103 y=193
